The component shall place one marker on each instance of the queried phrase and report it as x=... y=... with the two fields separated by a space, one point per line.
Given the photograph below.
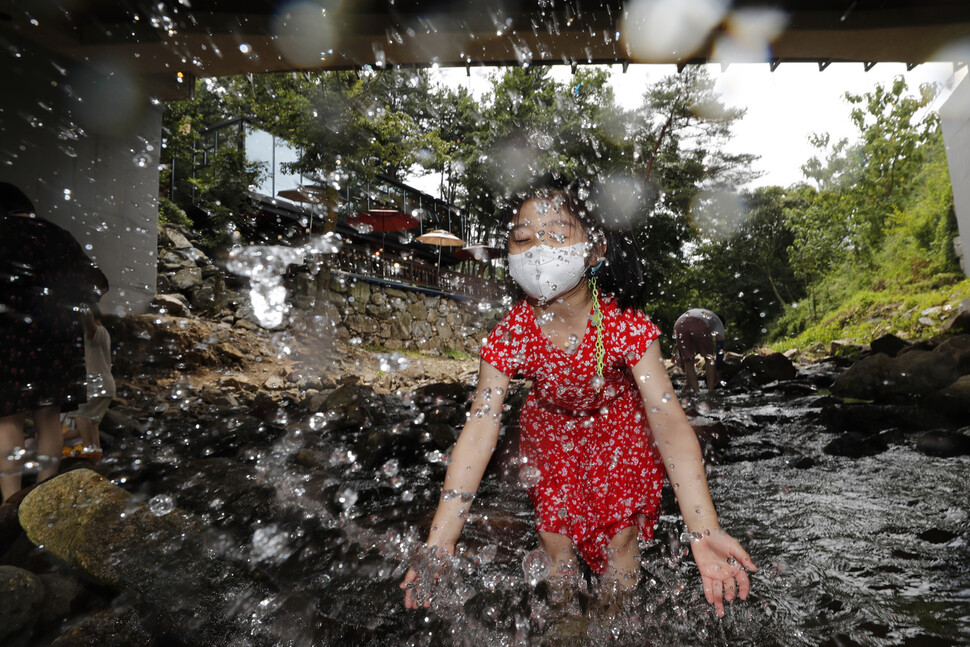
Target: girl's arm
x=469 y=458
x=718 y=556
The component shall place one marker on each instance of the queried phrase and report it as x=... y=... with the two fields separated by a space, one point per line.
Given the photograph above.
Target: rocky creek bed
x=269 y=487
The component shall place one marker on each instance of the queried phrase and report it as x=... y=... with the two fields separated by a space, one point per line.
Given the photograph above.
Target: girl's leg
x=89 y=432
x=50 y=441
x=623 y=572
x=560 y=549
x=11 y=435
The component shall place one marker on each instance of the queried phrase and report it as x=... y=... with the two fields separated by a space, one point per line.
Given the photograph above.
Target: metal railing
x=415 y=273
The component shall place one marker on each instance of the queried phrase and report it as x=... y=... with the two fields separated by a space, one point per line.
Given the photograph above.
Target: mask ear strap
x=595 y=268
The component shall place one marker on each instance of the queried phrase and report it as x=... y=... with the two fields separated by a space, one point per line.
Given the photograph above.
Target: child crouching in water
x=601 y=425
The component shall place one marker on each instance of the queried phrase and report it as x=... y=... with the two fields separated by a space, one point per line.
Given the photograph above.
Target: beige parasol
x=305 y=194
x=441 y=238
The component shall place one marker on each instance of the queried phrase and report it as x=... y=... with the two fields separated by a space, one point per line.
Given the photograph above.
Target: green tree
x=859 y=186
x=212 y=190
x=747 y=277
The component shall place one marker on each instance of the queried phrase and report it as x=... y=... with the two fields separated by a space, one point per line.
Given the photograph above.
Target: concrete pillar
x=955 y=121
x=83 y=141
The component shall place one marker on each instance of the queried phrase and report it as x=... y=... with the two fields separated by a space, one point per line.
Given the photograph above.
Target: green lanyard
x=600 y=348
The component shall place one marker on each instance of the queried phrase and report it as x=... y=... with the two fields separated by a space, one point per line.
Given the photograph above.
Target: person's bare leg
x=691 y=374
x=50 y=441
x=712 y=374
x=89 y=433
x=11 y=436
x=623 y=551
x=560 y=549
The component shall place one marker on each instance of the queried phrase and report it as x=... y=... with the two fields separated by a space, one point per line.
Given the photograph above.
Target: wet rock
x=821 y=374
x=888 y=344
x=169 y=236
x=205 y=299
x=187 y=279
x=803 y=462
x=274 y=383
x=442 y=436
x=173 y=304
x=711 y=434
x=768 y=368
x=61 y=595
x=954 y=400
x=854 y=444
x=21 y=595
x=958 y=347
x=944 y=444
x=377 y=446
x=880 y=377
x=9 y=524
x=959 y=322
x=158 y=553
x=171 y=262
x=871 y=418
x=750 y=449
x=117 y=627
x=937 y=535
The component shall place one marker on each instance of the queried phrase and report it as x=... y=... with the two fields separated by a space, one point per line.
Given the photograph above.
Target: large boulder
x=954 y=399
x=768 y=368
x=854 y=444
x=153 y=550
x=958 y=347
x=944 y=443
x=880 y=377
x=888 y=344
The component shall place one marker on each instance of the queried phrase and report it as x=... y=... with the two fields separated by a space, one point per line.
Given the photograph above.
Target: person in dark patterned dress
x=45 y=277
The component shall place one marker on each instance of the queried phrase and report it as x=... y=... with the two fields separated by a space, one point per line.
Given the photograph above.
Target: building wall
x=83 y=143
x=955 y=121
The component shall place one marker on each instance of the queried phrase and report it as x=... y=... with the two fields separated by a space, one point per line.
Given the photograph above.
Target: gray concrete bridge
x=80 y=113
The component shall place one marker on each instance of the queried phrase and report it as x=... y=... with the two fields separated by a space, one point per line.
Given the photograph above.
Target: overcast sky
x=783 y=107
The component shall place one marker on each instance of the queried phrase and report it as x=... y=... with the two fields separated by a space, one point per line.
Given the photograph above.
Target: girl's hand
x=723 y=564
x=419 y=582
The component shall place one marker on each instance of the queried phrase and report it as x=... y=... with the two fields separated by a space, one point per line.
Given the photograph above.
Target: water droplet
x=529 y=476
x=160 y=505
x=536 y=565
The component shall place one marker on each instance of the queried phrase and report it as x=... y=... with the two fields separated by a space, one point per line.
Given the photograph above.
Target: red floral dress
x=598 y=469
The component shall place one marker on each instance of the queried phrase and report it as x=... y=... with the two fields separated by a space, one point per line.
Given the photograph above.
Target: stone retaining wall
x=394 y=318
x=364 y=313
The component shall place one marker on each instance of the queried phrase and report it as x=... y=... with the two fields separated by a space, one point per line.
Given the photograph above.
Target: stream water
x=869 y=551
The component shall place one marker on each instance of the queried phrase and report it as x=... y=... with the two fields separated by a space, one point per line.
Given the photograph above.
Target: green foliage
x=745 y=277
x=222 y=196
x=171 y=213
x=867 y=315
x=456 y=354
x=860 y=186
x=213 y=197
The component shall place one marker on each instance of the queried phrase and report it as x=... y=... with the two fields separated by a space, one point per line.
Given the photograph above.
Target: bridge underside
x=80 y=121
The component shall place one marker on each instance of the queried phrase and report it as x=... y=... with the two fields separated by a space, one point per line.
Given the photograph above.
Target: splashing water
x=265 y=266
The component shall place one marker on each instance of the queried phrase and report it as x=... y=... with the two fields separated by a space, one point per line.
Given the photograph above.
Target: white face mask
x=545 y=272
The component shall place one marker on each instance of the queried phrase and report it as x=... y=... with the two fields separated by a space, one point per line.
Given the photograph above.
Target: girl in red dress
x=601 y=426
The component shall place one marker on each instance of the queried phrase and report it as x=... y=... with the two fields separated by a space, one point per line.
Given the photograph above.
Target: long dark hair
x=621 y=273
